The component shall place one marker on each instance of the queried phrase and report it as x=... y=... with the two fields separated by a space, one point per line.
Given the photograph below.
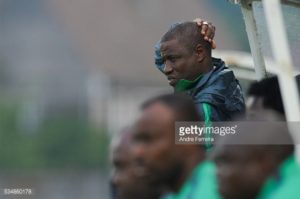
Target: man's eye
x=118 y=166
x=173 y=59
x=143 y=138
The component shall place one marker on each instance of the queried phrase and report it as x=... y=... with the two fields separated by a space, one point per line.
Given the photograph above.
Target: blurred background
x=73 y=73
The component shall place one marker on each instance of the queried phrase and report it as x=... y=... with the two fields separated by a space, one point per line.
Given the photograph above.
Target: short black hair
x=269 y=90
x=187 y=33
x=182 y=105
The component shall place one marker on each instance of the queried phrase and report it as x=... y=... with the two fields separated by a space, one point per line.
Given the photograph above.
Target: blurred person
x=183 y=54
x=266 y=171
x=125 y=182
x=266 y=94
x=181 y=169
x=246 y=171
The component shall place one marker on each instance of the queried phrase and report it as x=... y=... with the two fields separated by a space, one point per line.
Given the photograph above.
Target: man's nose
x=138 y=151
x=168 y=68
x=138 y=154
x=139 y=161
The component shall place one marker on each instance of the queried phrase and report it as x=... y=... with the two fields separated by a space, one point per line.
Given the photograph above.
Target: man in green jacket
x=182 y=169
x=184 y=56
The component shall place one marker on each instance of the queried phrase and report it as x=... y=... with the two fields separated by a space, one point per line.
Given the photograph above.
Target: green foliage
x=60 y=143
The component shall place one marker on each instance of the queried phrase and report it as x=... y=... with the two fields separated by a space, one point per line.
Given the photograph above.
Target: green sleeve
x=207 y=110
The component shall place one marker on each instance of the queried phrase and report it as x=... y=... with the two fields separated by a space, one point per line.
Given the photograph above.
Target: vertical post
x=281 y=52
x=254 y=42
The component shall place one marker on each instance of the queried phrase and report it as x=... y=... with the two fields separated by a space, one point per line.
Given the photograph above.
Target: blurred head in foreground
x=245 y=161
x=161 y=160
x=126 y=183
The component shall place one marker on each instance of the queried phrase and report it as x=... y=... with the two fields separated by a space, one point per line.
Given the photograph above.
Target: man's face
x=154 y=145
x=240 y=175
x=123 y=175
x=124 y=179
x=180 y=63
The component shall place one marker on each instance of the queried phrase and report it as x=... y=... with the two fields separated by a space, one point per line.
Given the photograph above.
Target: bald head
x=188 y=34
x=181 y=105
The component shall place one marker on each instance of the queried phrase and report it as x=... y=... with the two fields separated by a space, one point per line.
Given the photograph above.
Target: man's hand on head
x=207 y=30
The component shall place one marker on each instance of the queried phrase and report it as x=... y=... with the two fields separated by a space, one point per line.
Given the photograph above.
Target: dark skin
x=125 y=179
x=176 y=68
x=122 y=173
x=155 y=150
x=181 y=63
x=242 y=170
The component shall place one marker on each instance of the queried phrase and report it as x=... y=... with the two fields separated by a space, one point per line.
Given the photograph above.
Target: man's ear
x=200 y=52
